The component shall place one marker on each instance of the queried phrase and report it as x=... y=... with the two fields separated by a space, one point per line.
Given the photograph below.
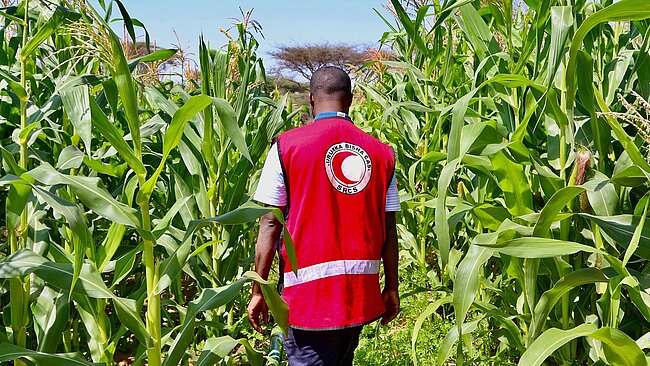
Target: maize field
x=522 y=137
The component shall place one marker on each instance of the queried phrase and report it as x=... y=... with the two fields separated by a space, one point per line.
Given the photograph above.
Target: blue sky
x=289 y=22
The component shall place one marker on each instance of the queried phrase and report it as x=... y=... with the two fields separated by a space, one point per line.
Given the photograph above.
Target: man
x=336 y=185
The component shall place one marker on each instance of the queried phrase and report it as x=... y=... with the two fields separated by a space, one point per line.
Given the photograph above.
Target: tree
x=304 y=59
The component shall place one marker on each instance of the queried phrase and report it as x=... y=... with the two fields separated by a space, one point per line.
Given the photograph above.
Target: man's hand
x=258 y=306
x=391 y=301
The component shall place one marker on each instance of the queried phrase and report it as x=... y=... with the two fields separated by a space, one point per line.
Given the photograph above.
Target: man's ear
x=311 y=100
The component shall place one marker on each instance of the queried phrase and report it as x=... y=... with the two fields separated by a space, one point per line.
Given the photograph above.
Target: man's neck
x=330 y=107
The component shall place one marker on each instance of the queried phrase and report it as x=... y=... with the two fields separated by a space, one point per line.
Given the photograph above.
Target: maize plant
x=504 y=115
x=521 y=137
x=124 y=199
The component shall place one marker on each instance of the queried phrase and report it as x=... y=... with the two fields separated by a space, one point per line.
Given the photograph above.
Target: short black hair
x=331 y=81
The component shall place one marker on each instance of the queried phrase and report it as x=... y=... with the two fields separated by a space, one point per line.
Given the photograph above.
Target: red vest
x=337 y=177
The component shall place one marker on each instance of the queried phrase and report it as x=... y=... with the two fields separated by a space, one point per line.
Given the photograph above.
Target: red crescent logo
x=348 y=167
x=337 y=167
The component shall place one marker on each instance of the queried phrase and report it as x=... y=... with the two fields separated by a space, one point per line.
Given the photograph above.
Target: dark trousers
x=322 y=347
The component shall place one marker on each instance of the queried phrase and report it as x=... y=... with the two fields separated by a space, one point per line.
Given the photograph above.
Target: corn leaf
x=126 y=89
x=512 y=181
x=619 y=348
x=171 y=267
x=548 y=300
x=215 y=349
x=621 y=228
x=430 y=309
x=533 y=247
x=9 y=352
x=227 y=117
x=76 y=102
x=115 y=138
x=60 y=16
x=553 y=207
x=89 y=283
x=550 y=341
x=214 y=298
x=92 y=193
x=447 y=344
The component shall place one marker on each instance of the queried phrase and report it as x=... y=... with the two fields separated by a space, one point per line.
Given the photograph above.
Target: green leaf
x=126 y=89
x=128 y=22
x=11 y=163
x=467 y=281
x=90 y=283
x=172 y=266
x=115 y=138
x=215 y=349
x=163 y=224
x=174 y=132
x=277 y=306
x=550 y=341
x=621 y=228
x=173 y=136
x=441 y=228
x=586 y=91
x=548 y=300
x=553 y=207
x=70 y=158
x=430 y=309
x=513 y=81
x=61 y=15
x=491 y=216
x=74 y=216
x=19 y=193
x=619 y=348
x=602 y=195
x=561 y=24
x=107 y=169
x=9 y=352
x=213 y=298
x=110 y=244
x=514 y=184
x=634 y=243
x=76 y=102
x=51 y=315
x=622 y=136
x=631 y=176
x=624 y=10
x=477 y=32
x=4 y=14
x=227 y=117
x=533 y=247
x=255 y=357
x=18 y=89
x=92 y=193
x=411 y=29
x=447 y=344
x=124 y=265
x=154 y=56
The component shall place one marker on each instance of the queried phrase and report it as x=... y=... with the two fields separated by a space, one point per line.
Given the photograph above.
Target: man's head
x=330 y=90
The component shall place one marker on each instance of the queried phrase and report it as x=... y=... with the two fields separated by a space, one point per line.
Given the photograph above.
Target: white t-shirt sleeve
x=392 y=196
x=272 y=191
x=270 y=188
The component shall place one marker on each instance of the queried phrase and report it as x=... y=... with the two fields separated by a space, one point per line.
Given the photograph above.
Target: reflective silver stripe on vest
x=328 y=269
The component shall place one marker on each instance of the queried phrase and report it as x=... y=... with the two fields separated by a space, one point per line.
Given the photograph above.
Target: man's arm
x=267 y=239
x=389 y=256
